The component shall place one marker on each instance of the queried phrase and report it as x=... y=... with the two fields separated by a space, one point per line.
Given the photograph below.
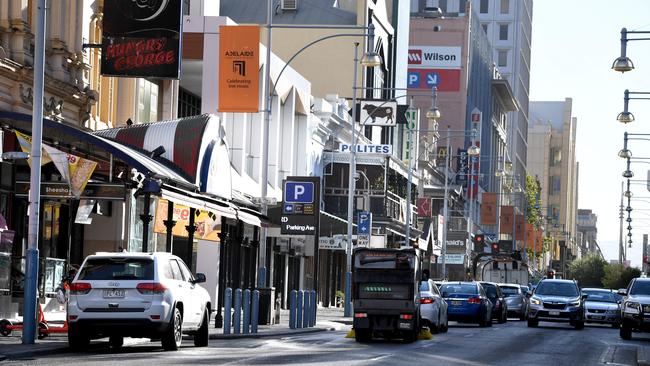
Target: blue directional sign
x=298 y=192
x=364 y=224
x=432 y=79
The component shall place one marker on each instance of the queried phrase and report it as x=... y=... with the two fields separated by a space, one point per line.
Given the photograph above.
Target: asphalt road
x=504 y=344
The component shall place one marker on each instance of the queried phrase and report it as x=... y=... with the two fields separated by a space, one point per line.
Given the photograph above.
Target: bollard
x=246 y=305
x=293 y=303
x=237 y=325
x=227 y=310
x=314 y=308
x=256 y=311
x=306 y=309
x=299 y=306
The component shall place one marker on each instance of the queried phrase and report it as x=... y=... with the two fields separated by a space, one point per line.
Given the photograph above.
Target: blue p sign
x=298 y=192
x=413 y=79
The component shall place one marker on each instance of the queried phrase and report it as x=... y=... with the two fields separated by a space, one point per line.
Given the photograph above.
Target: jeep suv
x=148 y=295
x=557 y=301
x=636 y=307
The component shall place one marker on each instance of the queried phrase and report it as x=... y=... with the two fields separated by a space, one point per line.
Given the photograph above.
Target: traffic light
x=495 y=247
x=479 y=241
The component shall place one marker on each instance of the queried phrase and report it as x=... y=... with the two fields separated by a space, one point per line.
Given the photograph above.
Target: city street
x=512 y=343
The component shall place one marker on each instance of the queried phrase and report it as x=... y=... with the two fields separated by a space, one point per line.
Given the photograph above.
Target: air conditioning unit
x=289 y=4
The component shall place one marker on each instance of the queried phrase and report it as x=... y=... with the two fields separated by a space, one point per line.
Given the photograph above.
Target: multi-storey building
x=587 y=226
x=552 y=159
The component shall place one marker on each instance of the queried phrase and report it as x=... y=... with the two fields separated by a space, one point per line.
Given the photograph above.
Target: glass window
x=600 y=296
x=503 y=32
x=556 y=156
x=640 y=288
x=462 y=6
x=442 y=4
x=186 y=7
x=485 y=4
x=557 y=289
x=147 y=101
x=510 y=291
x=167 y=271
x=502 y=58
x=176 y=270
x=384 y=260
x=424 y=286
x=505 y=5
x=556 y=185
x=458 y=288
x=117 y=269
x=485 y=27
x=186 y=272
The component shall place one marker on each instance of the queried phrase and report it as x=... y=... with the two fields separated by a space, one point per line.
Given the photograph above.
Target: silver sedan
x=602 y=306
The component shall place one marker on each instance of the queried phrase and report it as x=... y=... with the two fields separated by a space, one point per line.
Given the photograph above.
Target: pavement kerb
x=643 y=356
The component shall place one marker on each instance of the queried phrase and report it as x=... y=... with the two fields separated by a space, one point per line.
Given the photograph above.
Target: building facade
x=588 y=227
x=553 y=134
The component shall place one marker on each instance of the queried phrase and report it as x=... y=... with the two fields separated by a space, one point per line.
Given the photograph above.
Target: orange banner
x=519 y=227
x=208 y=226
x=489 y=209
x=239 y=68
x=531 y=234
x=507 y=217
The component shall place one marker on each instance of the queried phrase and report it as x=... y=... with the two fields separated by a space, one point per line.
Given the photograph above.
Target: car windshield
x=424 y=286
x=557 y=289
x=458 y=288
x=600 y=296
x=509 y=291
x=640 y=288
x=117 y=269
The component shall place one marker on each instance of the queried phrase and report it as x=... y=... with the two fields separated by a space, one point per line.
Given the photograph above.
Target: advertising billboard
x=239 y=68
x=141 y=38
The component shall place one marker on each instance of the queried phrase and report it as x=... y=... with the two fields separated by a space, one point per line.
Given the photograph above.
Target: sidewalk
x=328 y=319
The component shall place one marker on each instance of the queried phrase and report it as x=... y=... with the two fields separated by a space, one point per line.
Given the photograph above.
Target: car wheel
x=483 y=321
x=533 y=323
x=446 y=326
x=502 y=318
x=363 y=335
x=5 y=329
x=173 y=336
x=116 y=342
x=202 y=335
x=579 y=325
x=625 y=331
x=77 y=340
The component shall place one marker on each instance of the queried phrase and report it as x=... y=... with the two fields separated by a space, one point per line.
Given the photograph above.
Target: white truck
x=503 y=272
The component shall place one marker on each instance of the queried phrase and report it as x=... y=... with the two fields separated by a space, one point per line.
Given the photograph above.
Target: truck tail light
x=360 y=315
x=151 y=288
x=80 y=288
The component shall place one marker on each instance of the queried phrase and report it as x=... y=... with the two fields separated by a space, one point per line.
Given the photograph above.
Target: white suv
x=149 y=295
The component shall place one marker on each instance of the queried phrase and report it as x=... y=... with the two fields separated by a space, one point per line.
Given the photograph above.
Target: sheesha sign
x=141 y=38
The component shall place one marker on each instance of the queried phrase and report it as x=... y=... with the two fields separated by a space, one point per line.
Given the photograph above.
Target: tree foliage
x=532 y=200
x=618 y=276
x=589 y=271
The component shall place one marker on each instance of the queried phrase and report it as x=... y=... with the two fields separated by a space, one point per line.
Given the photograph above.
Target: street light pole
x=31 y=272
x=445 y=210
x=621 y=244
x=347 y=310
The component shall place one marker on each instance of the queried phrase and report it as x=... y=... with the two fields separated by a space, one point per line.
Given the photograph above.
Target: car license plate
x=554 y=313
x=456 y=303
x=113 y=293
x=597 y=317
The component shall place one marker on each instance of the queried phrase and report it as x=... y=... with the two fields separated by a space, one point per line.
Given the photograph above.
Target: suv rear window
x=117 y=269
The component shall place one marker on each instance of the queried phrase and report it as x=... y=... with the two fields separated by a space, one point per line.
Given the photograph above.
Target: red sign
x=415 y=57
x=424 y=207
x=443 y=79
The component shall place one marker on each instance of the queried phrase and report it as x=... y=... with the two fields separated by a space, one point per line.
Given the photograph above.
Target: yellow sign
x=208 y=224
x=26 y=146
x=239 y=68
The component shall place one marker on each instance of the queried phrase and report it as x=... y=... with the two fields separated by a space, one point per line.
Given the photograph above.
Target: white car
x=146 y=295
x=433 y=308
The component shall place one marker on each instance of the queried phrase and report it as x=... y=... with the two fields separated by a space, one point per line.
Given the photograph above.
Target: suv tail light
x=426 y=300
x=406 y=316
x=80 y=288
x=474 y=300
x=151 y=288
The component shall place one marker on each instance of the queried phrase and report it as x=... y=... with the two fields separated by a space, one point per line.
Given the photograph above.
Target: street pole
x=31 y=272
x=621 y=244
x=445 y=210
x=261 y=274
x=407 y=231
x=347 y=311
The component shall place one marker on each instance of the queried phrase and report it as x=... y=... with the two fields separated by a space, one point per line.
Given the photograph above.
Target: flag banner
x=25 y=142
x=507 y=219
x=60 y=160
x=520 y=227
x=208 y=224
x=489 y=209
x=239 y=68
x=80 y=172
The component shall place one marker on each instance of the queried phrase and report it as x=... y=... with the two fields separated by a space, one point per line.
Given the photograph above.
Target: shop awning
x=198 y=201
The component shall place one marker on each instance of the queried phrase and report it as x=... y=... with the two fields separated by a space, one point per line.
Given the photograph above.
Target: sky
x=574 y=43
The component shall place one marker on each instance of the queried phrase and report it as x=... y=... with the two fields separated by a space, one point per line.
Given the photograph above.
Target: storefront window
x=147 y=101
x=135 y=237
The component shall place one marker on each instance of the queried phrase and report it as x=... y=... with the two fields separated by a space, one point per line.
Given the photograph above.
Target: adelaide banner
x=507 y=219
x=489 y=209
x=141 y=38
x=239 y=68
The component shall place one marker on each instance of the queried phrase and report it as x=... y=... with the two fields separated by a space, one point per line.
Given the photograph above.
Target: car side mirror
x=622 y=291
x=200 y=278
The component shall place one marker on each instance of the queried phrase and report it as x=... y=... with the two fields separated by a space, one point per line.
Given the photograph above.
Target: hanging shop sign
x=239 y=67
x=98 y=191
x=368 y=149
x=301 y=206
x=378 y=113
x=141 y=38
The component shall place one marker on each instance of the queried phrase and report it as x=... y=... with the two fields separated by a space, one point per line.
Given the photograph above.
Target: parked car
x=499 y=305
x=433 y=308
x=557 y=301
x=148 y=295
x=636 y=307
x=467 y=302
x=516 y=300
x=602 y=306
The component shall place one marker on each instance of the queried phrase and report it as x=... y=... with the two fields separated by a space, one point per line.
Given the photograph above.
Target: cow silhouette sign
x=378 y=113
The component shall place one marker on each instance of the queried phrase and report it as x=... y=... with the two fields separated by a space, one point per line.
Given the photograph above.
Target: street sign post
x=364 y=228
